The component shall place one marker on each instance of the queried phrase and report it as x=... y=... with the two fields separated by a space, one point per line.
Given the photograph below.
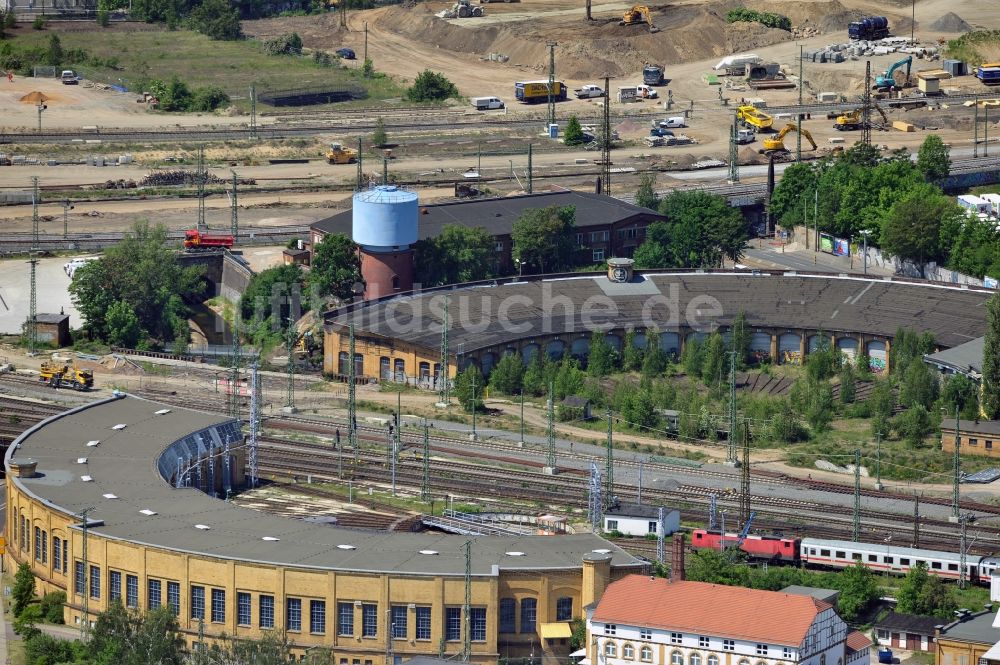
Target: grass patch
x=233 y=66
x=975 y=47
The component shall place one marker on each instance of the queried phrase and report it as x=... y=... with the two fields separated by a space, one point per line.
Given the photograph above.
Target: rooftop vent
x=346 y=547
x=147 y=511
x=601 y=551
x=270 y=539
x=120 y=426
x=428 y=552
x=86 y=479
x=109 y=495
x=81 y=460
x=515 y=553
x=93 y=444
x=23 y=468
x=162 y=412
x=203 y=527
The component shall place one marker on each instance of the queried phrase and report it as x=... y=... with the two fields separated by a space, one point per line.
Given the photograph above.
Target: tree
x=125 y=637
x=797 y=184
x=741 y=339
x=693 y=357
x=10 y=18
x=216 y=19
x=848 y=389
x=991 y=360
x=704 y=228
x=712 y=372
x=912 y=230
x=24 y=589
x=654 y=251
x=379 y=137
x=932 y=159
x=858 y=588
x=924 y=594
x=123 y=325
x=458 y=254
x=103 y=18
x=368 y=68
x=469 y=386
x=918 y=386
x=54 y=51
x=961 y=393
x=543 y=237
x=646 y=196
x=508 y=375
x=336 y=267
x=536 y=376
x=143 y=271
x=819 y=412
x=913 y=425
x=266 y=297
x=654 y=360
x=881 y=405
x=637 y=409
x=176 y=96
x=431 y=87
x=568 y=378
x=574 y=132
x=632 y=355
x=602 y=358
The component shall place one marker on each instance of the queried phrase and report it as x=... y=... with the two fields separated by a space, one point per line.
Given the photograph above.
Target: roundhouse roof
x=124 y=481
x=495 y=313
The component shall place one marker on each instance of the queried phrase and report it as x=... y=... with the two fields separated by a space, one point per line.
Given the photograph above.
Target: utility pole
x=32 y=323
x=291 y=337
x=474 y=405
x=365 y=61
x=856 y=522
x=550 y=460
x=66 y=208
x=552 y=84
x=745 y=476
x=878 y=461
x=234 y=221
x=255 y=409
x=866 y=119
x=957 y=464
x=425 y=486
x=352 y=418
x=522 y=417
x=253 y=113
x=963 y=549
x=529 y=179
x=734 y=155
x=731 y=443
x=606 y=140
x=916 y=520
x=443 y=376
x=200 y=176
x=85 y=623
x=609 y=464
x=360 y=175
x=638 y=494
x=975 y=128
x=467 y=605
x=234 y=367
x=798 y=121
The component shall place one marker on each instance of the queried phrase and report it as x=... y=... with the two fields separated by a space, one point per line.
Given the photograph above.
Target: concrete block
x=903 y=126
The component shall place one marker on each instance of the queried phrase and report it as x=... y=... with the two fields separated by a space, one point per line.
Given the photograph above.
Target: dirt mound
x=749 y=155
x=742 y=37
x=950 y=22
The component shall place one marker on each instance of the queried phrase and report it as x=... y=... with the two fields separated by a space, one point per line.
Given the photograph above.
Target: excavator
x=887 y=80
x=776 y=143
x=853 y=119
x=638 y=15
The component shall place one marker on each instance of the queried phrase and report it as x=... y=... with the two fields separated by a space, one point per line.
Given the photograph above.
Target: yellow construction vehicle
x=338 y=154
x=638 y=15
x=751 y=116
x=777 y=144
x=58 y=376
x=853 y=119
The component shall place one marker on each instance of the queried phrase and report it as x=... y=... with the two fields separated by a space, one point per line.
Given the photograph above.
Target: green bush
x=574 y=132
x=38 y=23
x=431 y=87
x=770 y=19
x=51 y=606
x=103 y=18
x=208 y=98
x=289 y=44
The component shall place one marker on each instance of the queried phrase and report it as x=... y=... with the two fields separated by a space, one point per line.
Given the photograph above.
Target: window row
x=529 y=613
x=22 y=534
x=885 y=558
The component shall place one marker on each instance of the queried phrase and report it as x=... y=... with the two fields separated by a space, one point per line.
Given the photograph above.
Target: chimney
x=677 y=557
x=23 y=468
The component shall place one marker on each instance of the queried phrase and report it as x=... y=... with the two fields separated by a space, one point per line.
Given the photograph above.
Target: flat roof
x=977 y=629
x=497 y=215
x=497 y=312
x=123 y=481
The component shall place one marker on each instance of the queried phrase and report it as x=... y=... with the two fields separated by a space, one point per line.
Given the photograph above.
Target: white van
x=669 y=123
x=73 y=264
x=487 y=103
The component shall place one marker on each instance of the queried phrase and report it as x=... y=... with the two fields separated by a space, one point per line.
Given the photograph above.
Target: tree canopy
x=335 y=267
x=700 y=230
x=273 y=296
x=143 y=272
x=991 y=360
x=912 y=229
x=933 y=159
x=458 y=254
x=925 y=594
x=431 y=87
x=217 y=19
x=543 y=239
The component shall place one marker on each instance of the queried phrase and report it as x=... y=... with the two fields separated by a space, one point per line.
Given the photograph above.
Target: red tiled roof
x=856 y=641
x=709 y=609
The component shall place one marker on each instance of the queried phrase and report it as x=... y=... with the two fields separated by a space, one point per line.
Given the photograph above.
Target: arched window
x=744 y=661
x=610 y=649
x=399 y=369
x=646 y=654
x=822 y=659
x=628 y=651
x=713 y=660
x=676 y=658
x=694 y=659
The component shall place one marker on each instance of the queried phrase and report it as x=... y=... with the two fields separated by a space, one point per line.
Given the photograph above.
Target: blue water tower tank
x=384 y=218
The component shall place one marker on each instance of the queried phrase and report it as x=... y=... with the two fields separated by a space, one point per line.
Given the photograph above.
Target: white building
x=652 y=621
x=633 y=519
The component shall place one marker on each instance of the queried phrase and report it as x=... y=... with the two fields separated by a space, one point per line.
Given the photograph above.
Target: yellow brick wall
x=373 y=349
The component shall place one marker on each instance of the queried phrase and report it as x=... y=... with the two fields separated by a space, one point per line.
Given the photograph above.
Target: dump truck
x=652 y=74
x=777 y=143
x=637 y=15
x=197 y=240
x=338 y=154
x=57 y=375
x=530 y=92
x=751 y=116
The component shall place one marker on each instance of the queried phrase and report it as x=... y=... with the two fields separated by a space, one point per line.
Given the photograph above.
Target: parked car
x=487 y=103
x=346 y=53
x=69 y=77
x=660 y=131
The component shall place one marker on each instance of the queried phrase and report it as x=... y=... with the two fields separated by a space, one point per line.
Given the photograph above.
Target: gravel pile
x=950 y=22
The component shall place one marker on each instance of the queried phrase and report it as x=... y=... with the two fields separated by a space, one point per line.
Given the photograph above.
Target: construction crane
x=637 y=15
x=776 y=144
x=853 y=119
x=887 y=79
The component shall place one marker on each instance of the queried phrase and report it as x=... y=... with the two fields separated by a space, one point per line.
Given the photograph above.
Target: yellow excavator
x=57 y=375
x=777 y=144
x=338 y=154
x=638 y=15
x=853 y=119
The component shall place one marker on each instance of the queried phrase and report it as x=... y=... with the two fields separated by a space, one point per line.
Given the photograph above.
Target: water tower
x=384 y=225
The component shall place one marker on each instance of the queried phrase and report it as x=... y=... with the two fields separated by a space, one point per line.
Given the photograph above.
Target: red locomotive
x=768 y=548
x=194 y=239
